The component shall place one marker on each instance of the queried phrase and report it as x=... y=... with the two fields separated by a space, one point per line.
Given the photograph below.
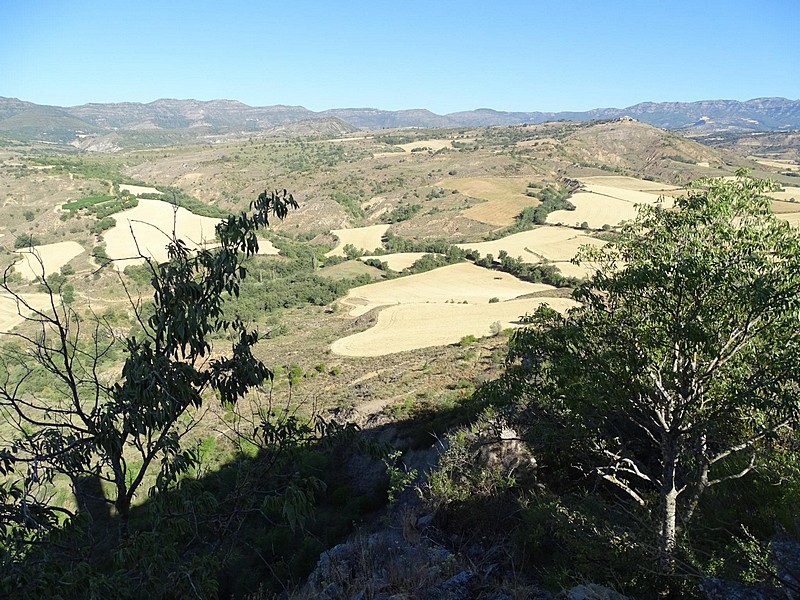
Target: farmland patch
x=148 y=228
x=505 y=197
x=462 y=282
x=788 y=193
x=629 y=183
x=50 y=257
x=399 y=260
x=9 y=310
x=412 y=326
x=543 y=243
x=605 y=205
x=362 y=238
x=138 y=189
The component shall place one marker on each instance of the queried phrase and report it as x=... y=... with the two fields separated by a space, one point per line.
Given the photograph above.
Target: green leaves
x=681 y=365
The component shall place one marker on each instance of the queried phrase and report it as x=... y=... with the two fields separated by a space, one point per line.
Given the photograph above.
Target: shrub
x=25 y=240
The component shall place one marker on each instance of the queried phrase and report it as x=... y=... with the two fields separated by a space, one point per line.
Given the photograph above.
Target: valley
x=405 y=189
x=391 y=293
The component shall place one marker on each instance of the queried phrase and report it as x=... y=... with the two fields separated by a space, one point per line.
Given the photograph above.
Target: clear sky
x=441 y=55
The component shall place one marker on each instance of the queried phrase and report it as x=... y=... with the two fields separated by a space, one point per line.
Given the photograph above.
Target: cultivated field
x=462 y=282
x=433 y=145
x=595 y=210
x=629 y=183
x=363 y=238
x=782 y=165
x=412 y=326
x=398 y=261
x=788 y=193
x=793 y=218
x=505 y=197
x=602 y=204
x=551 y=243
x=138 y=189
x=50 y=257
x=10 y=310
x=147 y=229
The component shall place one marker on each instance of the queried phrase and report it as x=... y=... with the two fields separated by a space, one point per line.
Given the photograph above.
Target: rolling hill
x=26 y=120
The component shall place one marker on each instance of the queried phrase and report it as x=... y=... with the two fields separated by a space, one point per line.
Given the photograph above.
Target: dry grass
x=138 y=189
x=505 y=197
x=412 y=326
x=10 y=312
x=147 y=229
x=543 y=243
x=363 y=238
x=629 y=183
x=462 y=282
x=399 y=260
x=48 y=257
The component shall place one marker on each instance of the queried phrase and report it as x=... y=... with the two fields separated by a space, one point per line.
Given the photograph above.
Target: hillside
x=385 y=300
x=230 y=117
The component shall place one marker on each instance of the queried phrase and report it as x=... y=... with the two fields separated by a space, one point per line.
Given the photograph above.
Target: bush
x=467 y=340
x=25 y=240
x=102 y=225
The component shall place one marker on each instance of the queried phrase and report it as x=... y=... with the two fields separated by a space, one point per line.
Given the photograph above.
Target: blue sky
x=442 y=55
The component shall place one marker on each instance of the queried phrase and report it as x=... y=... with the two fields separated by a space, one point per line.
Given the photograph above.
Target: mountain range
x=26 y=120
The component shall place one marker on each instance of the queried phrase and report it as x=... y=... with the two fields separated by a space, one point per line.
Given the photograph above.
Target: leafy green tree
x=117 y=430
x=26 y=241
x=680 y=369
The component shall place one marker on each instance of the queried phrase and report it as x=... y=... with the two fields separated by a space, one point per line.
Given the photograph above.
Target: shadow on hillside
x=256 y=523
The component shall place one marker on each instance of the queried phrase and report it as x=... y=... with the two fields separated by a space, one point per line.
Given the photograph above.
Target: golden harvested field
x=584 y=270
x=792 y=218
x=52 y=257
x=9 y=311
x=399 y=260
x=595 y=210
x=152 y=223
x=349 y=270
x=629 y=183
x=434 y=145
x=782 y=165
x=505 y=197
x=412 y=326
x=462 y=282
x=780 y=207
x=632 y=196
x=138 y=189
x=265 y=247
x=550 y=243
x=788 y=193
x=604 y=205
x=363 y=238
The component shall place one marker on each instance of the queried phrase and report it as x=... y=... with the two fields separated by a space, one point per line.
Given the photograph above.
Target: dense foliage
x=677 y=374
x=104 y=433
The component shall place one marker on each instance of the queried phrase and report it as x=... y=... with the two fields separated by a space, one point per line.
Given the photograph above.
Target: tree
x=679 y=370
x=115 y=428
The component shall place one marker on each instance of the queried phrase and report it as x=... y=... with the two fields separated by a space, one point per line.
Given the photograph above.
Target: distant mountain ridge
x=32 y=121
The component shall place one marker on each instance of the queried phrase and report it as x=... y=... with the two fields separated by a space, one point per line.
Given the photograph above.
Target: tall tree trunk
x=668 y=510
x=123 y=506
